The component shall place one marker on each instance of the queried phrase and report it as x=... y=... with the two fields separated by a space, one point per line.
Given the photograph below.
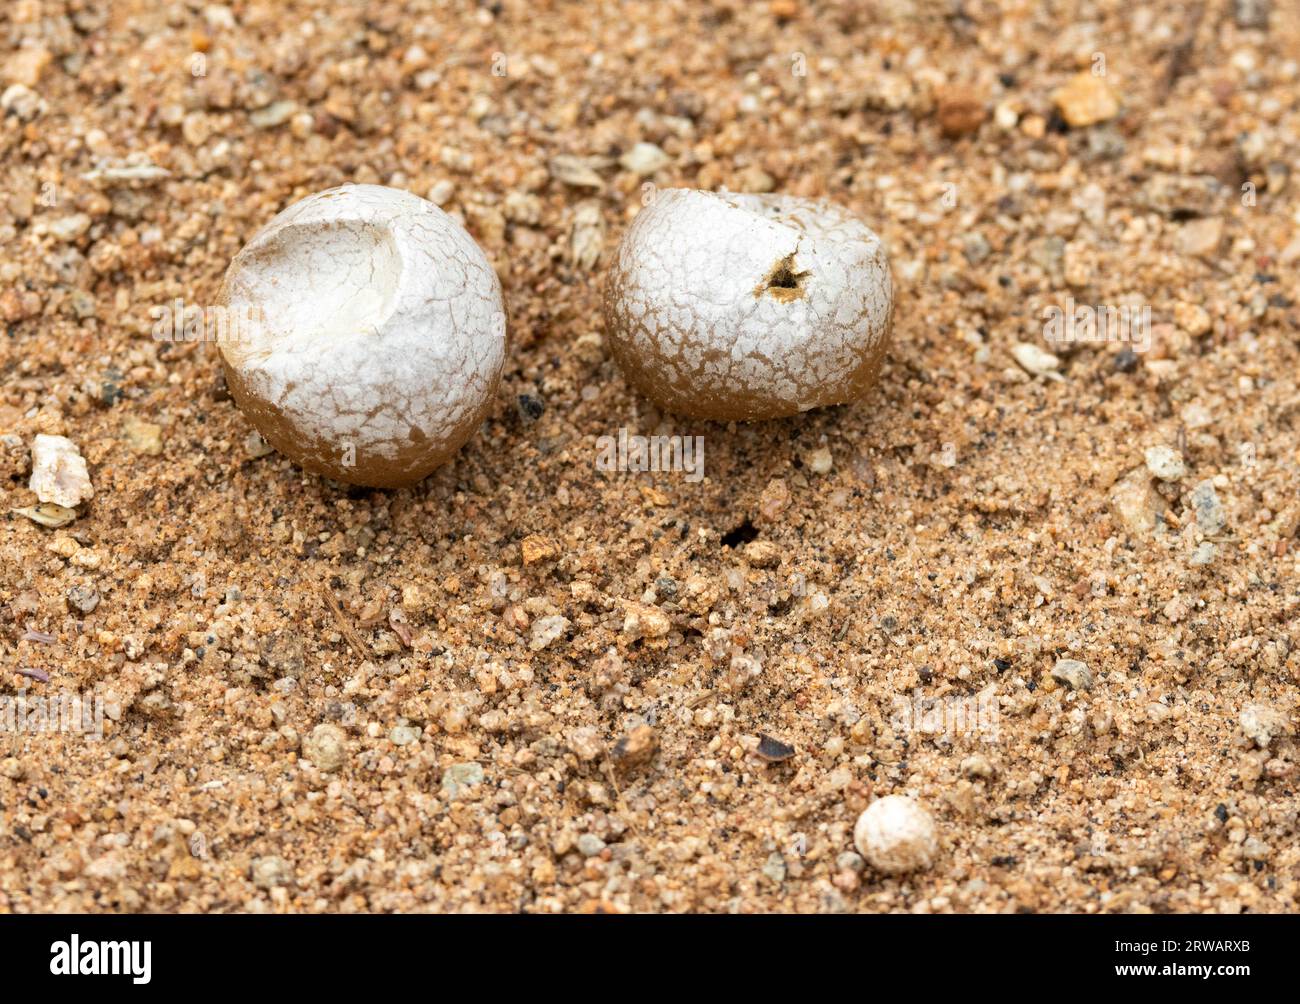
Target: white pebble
x=895 y=834
x=1165 y=463
x=1037 y=361
x=59 y=472
x=644 y=159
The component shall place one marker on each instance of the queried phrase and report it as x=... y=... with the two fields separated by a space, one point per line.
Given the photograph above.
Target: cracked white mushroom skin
x=737 y=307
x=896 y=834
x=372 y=338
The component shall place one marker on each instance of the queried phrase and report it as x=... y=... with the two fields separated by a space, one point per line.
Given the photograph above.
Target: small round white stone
x=896 y=834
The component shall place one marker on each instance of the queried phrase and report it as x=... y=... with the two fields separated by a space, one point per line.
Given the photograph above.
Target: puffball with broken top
x=729 y=306
x=378 y=339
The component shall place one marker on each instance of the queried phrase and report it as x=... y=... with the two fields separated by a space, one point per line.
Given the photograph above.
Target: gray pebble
x=460 y=776
x=83 y=599
x=1210 y=517
x=404 y=735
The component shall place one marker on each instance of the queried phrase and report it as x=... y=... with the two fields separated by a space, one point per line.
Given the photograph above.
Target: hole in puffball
x=783 y=282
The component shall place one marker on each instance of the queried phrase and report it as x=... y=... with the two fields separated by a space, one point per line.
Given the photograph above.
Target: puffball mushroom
x=377 y=334
x=729 y=306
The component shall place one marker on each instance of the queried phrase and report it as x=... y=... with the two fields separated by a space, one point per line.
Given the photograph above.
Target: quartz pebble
x=23 y=102
x=644 y=159
x=1136 y=503
x=1074 y=674
x=83 y=599
x=143 y=437
x=546 y=630
x=460 y=776
x=1165 y=463
x=896 y=834
x=1036 y=361
x=1262 y=723
x=820 y=461
x=59 y=472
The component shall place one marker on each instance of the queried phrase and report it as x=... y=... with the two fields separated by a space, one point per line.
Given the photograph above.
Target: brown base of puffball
x=737 y=404
x=325 y=458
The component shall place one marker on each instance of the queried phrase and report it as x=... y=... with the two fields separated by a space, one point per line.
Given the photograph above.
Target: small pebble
x=1199 y=237
x=48 y=514
x=637 y=747
x=270 y=871
x=896 y=834
x=644 y=159
x=256 y=447
x=1251 y=13
x=1165 y=463
x=774 y=867
x=326 y=747
x=546 y=630
x=83 y=599
x=1262 y=723
x=1036 y=361
x=773 y=750
x=959 y=113
x=1136 y=503
x=273 y=115
x=530 y=407
x=68 y=228
x=975 y=247
x=143 y=437
x=404 y=735
x=459 y=776
x=440 y=192
x=1210 y=516
x=23 y=102
x=1073 y=673
x=1086 y=100
x=820 y=461
x=589 y=845
x=59 y=472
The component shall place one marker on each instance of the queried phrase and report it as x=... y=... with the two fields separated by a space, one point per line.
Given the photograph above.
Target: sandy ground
x=543 y=685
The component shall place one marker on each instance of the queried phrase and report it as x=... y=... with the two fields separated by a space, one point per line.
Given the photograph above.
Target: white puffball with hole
x=896 y=834
x=728 y=306
x=367 y=334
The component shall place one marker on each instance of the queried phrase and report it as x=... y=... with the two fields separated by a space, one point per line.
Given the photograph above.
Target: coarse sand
x=529 y=683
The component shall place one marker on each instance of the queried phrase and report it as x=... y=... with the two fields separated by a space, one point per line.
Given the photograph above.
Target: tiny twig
x=622 y=802
x=345 y=626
